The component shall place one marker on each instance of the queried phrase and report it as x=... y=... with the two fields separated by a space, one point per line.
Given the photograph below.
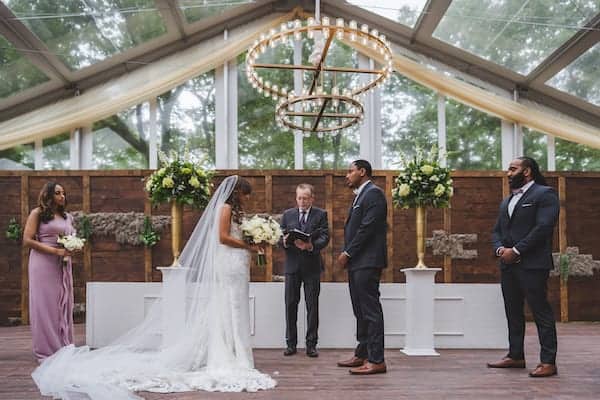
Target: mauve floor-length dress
x=50 y=292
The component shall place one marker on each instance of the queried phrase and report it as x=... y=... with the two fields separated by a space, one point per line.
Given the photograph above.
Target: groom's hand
x=342 y=260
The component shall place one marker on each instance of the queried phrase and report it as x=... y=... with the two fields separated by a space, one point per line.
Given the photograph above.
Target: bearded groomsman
x=306 y=233
x=522 y=240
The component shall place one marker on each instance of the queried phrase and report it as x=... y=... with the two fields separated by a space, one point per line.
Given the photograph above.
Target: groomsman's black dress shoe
x=507 y=362
x=312 y=352
x=290 y=351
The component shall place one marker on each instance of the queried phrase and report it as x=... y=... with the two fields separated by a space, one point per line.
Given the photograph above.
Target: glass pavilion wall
x=224 y=122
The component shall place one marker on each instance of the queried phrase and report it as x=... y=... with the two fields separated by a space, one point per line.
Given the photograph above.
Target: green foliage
x=21 y=154
x=149 y=236
x=473 y=138
x=85 y=228
x=535 y=145
x=16 y=72
x=423 y=182
x=90 y=32
x=576 y=157
x=408 y=119
x=13 y=230
x=564 y=267
x=261 y=143
x=187 y=118
x=180 y=180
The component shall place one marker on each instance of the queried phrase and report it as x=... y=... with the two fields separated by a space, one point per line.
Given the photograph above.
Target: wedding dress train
x=212 y=353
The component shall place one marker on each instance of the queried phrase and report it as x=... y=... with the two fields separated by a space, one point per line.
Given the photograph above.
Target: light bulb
x=325 y=21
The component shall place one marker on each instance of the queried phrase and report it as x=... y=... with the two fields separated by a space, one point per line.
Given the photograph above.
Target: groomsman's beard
x=517 y=181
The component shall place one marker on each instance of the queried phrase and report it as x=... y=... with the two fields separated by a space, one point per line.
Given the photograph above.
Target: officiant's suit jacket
x=365 y=232
x=307 y=262
x=530 y=228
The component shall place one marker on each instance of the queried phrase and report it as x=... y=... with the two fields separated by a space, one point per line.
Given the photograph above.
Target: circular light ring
x=274 y=38
x=287 y=120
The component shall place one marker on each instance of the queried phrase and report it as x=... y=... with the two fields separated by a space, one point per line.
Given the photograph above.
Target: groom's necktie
x=302 y=220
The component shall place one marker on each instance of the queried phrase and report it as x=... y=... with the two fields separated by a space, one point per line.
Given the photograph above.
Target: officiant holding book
x=306 y=233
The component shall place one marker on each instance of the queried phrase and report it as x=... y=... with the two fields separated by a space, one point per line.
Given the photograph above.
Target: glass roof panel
x=405 y=12
x=582 y=77
x=516 y=34
x=16 y=72
x=83 y=32
x=195 y=10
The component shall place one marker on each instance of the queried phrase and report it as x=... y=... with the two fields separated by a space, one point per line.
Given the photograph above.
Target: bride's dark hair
x=242 y=187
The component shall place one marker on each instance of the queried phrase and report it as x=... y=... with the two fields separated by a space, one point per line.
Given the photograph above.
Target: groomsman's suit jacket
x=307 y=262
x=365 y=235
x=530 y=228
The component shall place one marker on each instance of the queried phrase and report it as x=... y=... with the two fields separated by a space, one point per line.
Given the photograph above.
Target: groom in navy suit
x=365 y=255
x=522 y=240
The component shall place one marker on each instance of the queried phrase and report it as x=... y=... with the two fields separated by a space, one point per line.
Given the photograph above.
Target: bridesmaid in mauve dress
x=50 y=273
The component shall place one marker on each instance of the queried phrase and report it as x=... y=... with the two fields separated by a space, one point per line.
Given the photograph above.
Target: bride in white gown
x=212 y=352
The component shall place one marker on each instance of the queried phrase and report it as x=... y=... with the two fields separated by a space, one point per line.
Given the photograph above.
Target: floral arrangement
x=423 y=182
x=71 y=243
x=181 y=180
x=261 y=230
x=149 y=237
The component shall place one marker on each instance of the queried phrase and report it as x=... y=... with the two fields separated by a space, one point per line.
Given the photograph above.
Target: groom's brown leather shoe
x=543 y=371
x=352 y=362
x=507 y=362
x=369 y=368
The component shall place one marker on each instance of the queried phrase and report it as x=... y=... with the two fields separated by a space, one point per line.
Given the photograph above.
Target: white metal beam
x=441 y=125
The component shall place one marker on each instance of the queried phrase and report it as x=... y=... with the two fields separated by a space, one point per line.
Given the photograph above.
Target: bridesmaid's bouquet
x=71 y=243
x=261 y=230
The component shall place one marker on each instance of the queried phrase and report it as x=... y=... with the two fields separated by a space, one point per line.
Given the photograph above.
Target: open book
x=298 y=234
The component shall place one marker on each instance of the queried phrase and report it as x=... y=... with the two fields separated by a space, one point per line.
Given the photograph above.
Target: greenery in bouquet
x=422 y=182
x=180 y=179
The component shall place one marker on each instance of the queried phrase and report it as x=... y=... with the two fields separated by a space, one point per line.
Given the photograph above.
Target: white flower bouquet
x=180 y=179
x=261 y=230
x=423 y=182
x=71 y=243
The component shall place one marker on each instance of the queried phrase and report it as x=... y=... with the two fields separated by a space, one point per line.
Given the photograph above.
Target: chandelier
x=325 y=105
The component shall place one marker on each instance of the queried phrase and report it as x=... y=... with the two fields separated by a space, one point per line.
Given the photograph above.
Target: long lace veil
x=141 y=355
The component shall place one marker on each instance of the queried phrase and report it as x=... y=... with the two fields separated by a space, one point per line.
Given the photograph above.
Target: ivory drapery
x=489 y=102
x=135 y=87
x=160 y=76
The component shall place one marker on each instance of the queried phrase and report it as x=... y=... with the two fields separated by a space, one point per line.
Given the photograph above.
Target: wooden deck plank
x=456 y=374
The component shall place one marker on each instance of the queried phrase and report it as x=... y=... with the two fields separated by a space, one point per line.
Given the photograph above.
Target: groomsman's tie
x=302 y=220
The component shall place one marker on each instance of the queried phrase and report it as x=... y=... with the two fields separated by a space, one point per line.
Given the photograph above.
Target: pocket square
x=527 y=205
x=356 y=206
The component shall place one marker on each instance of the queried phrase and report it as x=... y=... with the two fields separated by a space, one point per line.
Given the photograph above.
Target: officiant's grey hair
x=304 y=186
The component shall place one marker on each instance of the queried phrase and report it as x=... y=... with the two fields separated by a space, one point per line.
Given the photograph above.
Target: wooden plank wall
x=474 y=209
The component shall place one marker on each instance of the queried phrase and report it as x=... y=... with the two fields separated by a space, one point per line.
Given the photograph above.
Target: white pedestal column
x=173 y=302
x=419 y=311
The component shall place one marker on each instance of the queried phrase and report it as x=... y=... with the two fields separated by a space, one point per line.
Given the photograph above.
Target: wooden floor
x=456 y=374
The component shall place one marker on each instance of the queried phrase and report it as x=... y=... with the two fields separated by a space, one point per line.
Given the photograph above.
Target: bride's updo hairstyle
x=242 y=187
